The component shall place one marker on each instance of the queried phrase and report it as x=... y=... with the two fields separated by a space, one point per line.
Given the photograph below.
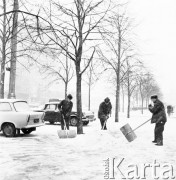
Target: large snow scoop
x=66 y=133
x=129 y=132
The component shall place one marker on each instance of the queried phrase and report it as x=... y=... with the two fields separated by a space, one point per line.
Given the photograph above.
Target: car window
x=5 y=107
x=51 y=107
x=21 y=106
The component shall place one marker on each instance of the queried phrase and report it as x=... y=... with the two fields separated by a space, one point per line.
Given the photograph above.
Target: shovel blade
x=128 y=132
x=72 y=133
x=62 y=134
x=66 y=134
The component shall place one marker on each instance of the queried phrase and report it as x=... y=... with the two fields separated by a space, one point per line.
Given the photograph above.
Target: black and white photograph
x=87 y=89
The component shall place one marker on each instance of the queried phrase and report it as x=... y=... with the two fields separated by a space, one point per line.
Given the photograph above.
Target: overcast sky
x=156 y=33
x=157 y=40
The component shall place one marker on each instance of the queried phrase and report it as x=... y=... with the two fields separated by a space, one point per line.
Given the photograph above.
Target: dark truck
x=52 y=114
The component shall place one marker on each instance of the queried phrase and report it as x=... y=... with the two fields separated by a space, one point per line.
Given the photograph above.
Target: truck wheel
x=86 y=123
x=74 y=121
x=9 y=130
x=27 y=131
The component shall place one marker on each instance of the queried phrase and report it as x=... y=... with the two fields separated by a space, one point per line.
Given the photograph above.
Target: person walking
x=169 y=110
x=65 y=108
x=159 y=118
x=104 y=112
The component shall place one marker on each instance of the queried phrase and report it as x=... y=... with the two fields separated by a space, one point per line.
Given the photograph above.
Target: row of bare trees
x=67 y=28
x=76 y=38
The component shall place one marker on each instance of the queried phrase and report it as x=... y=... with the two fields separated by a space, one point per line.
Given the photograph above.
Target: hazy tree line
x=82 y=38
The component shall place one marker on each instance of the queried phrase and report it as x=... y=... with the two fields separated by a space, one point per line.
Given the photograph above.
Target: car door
x=8 y=114
x=50 y=114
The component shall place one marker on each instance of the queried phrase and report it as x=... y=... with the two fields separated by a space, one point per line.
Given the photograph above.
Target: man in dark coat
x=169 y=110
x=159 y=118
x=65 y=108
x=104 y=112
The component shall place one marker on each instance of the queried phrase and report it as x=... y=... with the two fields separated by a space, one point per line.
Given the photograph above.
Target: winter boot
x=154 y=141
x=159 y=143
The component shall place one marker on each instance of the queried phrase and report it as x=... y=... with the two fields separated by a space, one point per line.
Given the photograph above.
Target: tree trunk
x=2 y=70
x=67 y=72
x=89 y=96
x=123 y=100
x=117 y=103
x=66 y=89
x=142 y=110
x=79 y=103
x=129 y=94
x=142 y=99
x=13 y=52
x=118 y=79
x=137 y=101
x=129 y=104
x=147 y=102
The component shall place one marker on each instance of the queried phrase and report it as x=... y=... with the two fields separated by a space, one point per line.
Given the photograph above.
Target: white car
x=90 y=115
x=15 y=115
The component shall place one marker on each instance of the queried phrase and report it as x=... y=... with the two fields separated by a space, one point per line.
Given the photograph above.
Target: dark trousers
x=159 y=128
x=103 y=123
x=66 y=123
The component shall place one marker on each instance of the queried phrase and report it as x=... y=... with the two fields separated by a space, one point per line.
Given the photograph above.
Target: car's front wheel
x=27 y=131
x=9 y=130
x=73 y=121
x=86 y=123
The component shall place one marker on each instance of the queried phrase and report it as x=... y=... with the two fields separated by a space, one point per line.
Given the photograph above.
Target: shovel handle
x=141 y=125
x=138 y=127
x=104 y=123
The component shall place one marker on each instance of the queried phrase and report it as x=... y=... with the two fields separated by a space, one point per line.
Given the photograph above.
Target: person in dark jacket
x=104 y=112
x=169 y=110
x=159 y=118
x=65 y=108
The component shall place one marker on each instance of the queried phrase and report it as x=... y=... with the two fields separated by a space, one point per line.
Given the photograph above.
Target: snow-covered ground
x=43 y=156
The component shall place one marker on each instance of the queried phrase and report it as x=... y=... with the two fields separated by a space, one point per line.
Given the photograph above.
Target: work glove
x=68 y=114
x=150 y=106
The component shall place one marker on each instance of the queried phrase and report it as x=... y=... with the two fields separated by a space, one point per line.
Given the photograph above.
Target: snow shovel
x=104 y=124
x=129 y=132
x=66 y=133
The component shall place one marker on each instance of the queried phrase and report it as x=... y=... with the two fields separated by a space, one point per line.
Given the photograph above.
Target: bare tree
x=130 y=81
x=141 y=80
x=12 y=35
x=117 y=44
x=151 y=87
x=92 y=75
x=58 y=70
x=78 y=23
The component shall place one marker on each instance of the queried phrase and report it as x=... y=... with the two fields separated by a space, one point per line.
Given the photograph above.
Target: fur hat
x=70 y=97
x=107 y=100
x=154 y=97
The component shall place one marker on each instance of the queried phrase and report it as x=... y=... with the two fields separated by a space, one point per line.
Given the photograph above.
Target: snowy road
x=42 y=155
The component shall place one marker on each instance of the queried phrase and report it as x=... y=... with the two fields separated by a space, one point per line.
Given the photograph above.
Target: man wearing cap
x=104 y=112
x=65 y=108
x=159 y=118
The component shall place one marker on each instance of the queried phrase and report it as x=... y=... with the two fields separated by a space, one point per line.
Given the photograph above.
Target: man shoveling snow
x=159 y=118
